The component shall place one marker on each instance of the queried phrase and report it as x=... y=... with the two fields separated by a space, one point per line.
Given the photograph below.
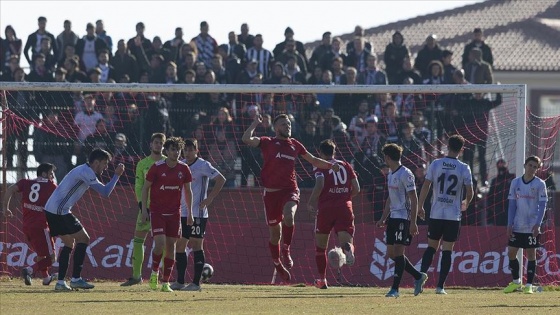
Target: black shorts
x=197 y=230
x=524 y=240
x=66 y=224
x=398 y=232
x=446 y=229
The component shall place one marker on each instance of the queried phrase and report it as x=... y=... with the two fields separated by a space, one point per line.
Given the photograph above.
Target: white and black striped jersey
x=263 y=58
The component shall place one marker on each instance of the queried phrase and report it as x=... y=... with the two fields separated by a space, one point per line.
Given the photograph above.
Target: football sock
x=137 y=257
x=198 y=257
x=63 y=262
x=427 y=259
x=167 y=268
x=321 y=260
x=181 y=264
x=531 y=268
x=43 y=265
x=410 y=269
x=274 y=251
x=156 y=259
x=79 y=256
x=399 y=269
x=287 y=234
x=514 y=267
x=445 y=267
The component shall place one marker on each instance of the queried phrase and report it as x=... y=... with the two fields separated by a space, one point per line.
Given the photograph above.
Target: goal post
x=237 y=233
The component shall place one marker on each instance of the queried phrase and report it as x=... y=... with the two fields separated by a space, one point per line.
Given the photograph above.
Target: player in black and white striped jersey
x=202 y=172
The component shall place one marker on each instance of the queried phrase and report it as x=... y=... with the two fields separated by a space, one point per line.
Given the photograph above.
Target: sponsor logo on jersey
x=285 y=156
x=158 y=230
x=448 y=166
x=163 y=187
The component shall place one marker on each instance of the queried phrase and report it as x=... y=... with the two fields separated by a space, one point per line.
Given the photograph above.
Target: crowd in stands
x=359 y=123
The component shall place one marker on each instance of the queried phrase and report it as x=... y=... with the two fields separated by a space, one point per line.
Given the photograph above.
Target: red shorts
x=341 y=219
x=167 y=224
x=40 y=240
x=274 y=204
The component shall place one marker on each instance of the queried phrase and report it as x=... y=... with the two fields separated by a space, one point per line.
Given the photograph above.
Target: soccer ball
x=207 y=272
x=336 y=257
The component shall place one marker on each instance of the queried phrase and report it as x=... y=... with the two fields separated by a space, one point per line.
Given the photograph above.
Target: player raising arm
x=401 y=211
x=334 y=192
x=64 y=224
x=143 y=227
x=449 y=176
x=202 y=171
x=527 y=205
x=165 y=182
x=34 y=195
x=281 y=193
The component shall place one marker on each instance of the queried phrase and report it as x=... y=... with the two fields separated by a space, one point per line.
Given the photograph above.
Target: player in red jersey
x=165 y=182
x=281 y=193
x=34 y=196
x=334 y=192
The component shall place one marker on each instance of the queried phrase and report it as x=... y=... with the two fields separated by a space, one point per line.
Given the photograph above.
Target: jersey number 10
x=339 y=177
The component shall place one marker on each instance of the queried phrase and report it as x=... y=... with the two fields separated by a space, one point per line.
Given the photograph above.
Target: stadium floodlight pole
x=520 y=147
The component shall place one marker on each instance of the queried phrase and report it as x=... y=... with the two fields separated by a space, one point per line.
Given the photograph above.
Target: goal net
x=61 y=123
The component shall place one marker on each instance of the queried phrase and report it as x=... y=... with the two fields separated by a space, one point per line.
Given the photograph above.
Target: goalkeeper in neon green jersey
x=142 y=227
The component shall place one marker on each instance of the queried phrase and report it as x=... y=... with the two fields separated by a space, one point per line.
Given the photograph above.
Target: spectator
x=263 y=57
x=478 y=42
x=132 y=127
x=219 y=70
x=206 y=45
x=390 y=123
x=344 y=144
x=156 y=72
x=94 y=75
x=427 y=54
x=277 y=74
x=408 y=104
x=290 y=51
x=101 y=138
x=222 y=147
x=371 y=74
x=326 y=100
x=472 y=124
x=357 y=58
x=122 y=154
x=497 y=200
x=293 y=71
x=69 y=51
x=51 y=144
x=139 y=46
x=8 y=73
x=89 y=47
x=395 y=52
x=174 y=45
x=435 y=73
x=124 y=63
x=368 y=158
x=245 y=38
x=86 y=120
x=477 y=70
x=420 y=178
x=378 y=191
x=66 y=38
x=107 y=71
x=280 y=47
x=327 y=59
x=413 y=154
x=73 y=72
x=351 y=46
x=236 y=48
x=309 y=136
x=34 y=40
x=101 y=33
x=320 y=51
x=408 y=72
x=158 y=49
x=448 y=68
x=61 y=100
x=187 y=64
x=21 y=103
x=358 y=123
x=421 y=132
x=40 y=72
x=339 y=77
x=12 y=46
x=50 y=59
x=231 y=64
x=249 y=73
x=316 y=76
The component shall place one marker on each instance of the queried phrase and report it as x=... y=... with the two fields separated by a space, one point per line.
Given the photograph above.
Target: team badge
x=180 y=175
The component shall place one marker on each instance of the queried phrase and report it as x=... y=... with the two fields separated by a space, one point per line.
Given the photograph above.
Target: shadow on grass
x=523 y=306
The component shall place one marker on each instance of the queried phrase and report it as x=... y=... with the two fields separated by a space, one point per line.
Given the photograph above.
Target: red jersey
x=167 y=186
x=337 y=189
x=34 y=196
x=279 y=169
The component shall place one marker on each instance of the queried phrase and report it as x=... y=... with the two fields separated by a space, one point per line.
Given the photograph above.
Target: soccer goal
x=61 y=122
